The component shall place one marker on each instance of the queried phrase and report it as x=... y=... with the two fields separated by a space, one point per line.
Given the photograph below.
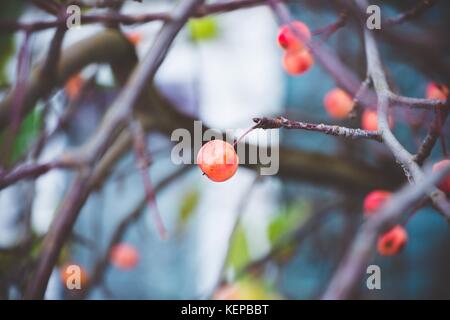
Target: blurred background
x=251 y=237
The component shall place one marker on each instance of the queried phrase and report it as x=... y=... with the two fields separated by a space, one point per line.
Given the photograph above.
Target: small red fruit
x=444 y=184
x=66 y=274
x=73 y=86
x=297 y=62
x=338 y=103
x=369 y=120
x=374 y=200
x=392 y=241
x=289 y=40
x=124 y=256
x=134 y=37
x=218 y=160
x=437 y=91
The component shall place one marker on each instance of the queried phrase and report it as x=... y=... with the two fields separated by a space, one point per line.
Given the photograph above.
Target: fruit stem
x=246 y=133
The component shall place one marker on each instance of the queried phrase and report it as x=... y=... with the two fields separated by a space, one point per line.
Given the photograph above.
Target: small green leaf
x=202 y=29
x=238 y=254
x=29 y=129
x=188 y=204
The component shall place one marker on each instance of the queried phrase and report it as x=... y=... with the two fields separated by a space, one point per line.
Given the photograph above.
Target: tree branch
x=403 y=157
x=412 y=13
x=281 y=122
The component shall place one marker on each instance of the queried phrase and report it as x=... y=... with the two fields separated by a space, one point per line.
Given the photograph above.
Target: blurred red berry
x=124 y=256
x=437 y=91
x=289 y=40
x=134 y=37
x=393 y=241
x=73 y=86
x=297 y=62
x=338 y=103
x=218 y=160
x=374 y=200
x=369 y=120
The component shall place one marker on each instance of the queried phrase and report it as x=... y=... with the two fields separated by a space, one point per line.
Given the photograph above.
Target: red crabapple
x=124 y=256
x=369 y=120
x=338 y=103
x=391 y=242
x=289 y=40
x=297 y=62
x=374 y=200
x=444 y=185
x=437 y=91
x=218 y=160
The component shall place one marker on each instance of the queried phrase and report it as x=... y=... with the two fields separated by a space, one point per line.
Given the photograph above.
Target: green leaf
x=238 y=254
x=188 y=204
x=9 y=10
x=28 y=130
x=287 y=220
x=255 y=289
x=202 y=29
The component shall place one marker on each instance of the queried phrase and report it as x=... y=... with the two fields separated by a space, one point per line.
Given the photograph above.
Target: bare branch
x=362 y=89
x=417 y=102
x=403 y=157
x=281 y=122
x=327 y=31
x=143 y=162
x=115 y=17
x=29 y=171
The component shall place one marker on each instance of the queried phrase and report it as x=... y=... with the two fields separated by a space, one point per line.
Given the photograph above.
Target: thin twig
x=430 y=140
x=417 y=102
x=414 y=12
x=281 y=122
x=362 y=89
x=143 y=162
x=30 y=171
x=328 y=30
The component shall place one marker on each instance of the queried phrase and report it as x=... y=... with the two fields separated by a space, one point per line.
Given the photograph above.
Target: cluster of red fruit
x=391 y=242
x=297 y=59
x=339 y=104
